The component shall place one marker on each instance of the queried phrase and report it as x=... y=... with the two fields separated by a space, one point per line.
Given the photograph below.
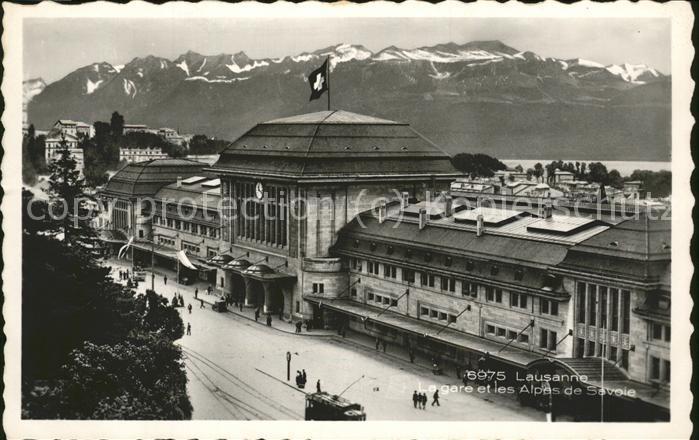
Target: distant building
x=137 y=128
x=562 y=177
x=74 y=128
x=55 y=141
x=171 y=136
x=141 y=154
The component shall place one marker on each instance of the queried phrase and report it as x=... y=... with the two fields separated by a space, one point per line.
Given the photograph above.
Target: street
x=237 y=370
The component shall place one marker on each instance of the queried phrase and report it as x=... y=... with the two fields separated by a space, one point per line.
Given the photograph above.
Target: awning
x=510 y=355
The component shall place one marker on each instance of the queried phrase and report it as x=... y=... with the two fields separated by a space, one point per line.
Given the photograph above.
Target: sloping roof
x=334 y=144
x=147 y=177
x=194 y=194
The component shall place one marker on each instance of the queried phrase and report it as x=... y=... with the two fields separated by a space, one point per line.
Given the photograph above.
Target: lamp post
x=288 y=365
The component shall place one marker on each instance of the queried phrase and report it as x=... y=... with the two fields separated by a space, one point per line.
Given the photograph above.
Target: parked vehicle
x=323 y=406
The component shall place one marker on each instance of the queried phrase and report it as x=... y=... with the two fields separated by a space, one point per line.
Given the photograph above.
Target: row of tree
x=91 y=348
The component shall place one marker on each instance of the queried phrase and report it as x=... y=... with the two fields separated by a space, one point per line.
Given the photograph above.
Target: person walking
x=435 y=398
x=303 y=375
x=415 y=399
x=269 y=320
x=189 y=329
x=257 y=314
x=165 y=279
x=318 y=386
x=240 y=306
x=196 y=293
x=201 y=305
x=423 y=400
x=189 y=307
x=298 y=326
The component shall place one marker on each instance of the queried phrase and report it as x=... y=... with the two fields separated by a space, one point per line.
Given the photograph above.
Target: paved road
x=237 y=370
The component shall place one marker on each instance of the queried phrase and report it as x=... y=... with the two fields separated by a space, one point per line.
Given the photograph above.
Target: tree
x=598 y=173
x=519 y=168
x=615 y=180
x=654 y=183
x=538 y=170
x=477 y=165
x=117 y=125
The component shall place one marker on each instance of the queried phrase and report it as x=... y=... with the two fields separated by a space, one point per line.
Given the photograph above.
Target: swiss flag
x=318 y=79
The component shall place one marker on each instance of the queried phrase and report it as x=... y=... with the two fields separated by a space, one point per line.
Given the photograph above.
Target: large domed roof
x=147 y=177
x=336 y=144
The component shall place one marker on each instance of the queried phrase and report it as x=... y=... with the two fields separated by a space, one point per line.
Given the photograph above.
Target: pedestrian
x=423 y=400
x=303 y=375
x=201 y=306
x=415 y=399
x=383 y=344
x=435 y=397
x=411 y=354
x=377 y=344
x=174 y=300
x=189 y=328
x=298 y=326
x=121 y=275
x=240 y=306
x=196 y=293
x=281 y=314
x=269 y=320
x=318 y=386
x=299 y=379
x=165 y=279
x=209 y=289
x=257 y=314
x=189 y=307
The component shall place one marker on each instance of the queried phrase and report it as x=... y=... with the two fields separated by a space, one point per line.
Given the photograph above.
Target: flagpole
x=328 y=76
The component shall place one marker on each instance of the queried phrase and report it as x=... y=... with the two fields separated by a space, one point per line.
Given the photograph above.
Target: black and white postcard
x=347 y=220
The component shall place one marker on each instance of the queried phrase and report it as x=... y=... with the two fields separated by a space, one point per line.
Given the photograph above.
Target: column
x=249 y=295
x=269 y=298
x=587 y=318
x=609 y=324
x=620 y=326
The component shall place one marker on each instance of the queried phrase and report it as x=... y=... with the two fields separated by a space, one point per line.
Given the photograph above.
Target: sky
x=52 y=48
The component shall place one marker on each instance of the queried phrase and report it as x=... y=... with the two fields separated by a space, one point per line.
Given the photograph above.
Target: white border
x=682 y=88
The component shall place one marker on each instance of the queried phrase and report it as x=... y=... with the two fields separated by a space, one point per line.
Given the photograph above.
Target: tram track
x=242 y=386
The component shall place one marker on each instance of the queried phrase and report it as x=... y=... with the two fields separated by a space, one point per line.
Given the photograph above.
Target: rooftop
x=334 y=145
x=147 y=177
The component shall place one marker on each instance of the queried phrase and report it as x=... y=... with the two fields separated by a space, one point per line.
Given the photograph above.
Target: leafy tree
x=598 y=173
x=519 y=168
x=201 y=144
x=657 y=183
x=117 y=124
x=614 y=179
x=538 y=170
x=67 y=192
x=477 y=165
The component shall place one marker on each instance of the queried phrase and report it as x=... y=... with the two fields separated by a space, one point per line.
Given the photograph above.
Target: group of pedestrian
x=380 y=343
x=298 y=325
x=420 y=400
x=178 y=301
x=301 y=378
x=124 y=274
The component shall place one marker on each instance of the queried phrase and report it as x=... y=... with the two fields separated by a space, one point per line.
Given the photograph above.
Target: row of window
x=659 y=332
x=192 y=228
x=384 y=300
x=318 y=287
x=508 y=334
x=165 y=241
x=436 y=314
x=448 y=284
x=470 y=265
x=190 y=247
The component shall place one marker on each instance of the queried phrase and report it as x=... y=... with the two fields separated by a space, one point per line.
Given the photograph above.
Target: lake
x=625 y=167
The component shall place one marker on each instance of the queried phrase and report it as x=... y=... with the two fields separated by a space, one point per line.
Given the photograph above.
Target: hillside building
x=131 y=155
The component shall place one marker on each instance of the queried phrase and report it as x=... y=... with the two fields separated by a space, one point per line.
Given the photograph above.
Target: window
x=548 y=307
x=548 y=339
x=423 y=279
x=433 y=314
x=298 y=306
x=592 y=304
x=389 y=271
x=490 y=329
x=370 y=296
x=353 y=292
x=523 y=338
x=394 y=303
x=221 y=281
x=519 y=274
x=430 y=280
x=424 y=311
x=321 y=287
x=442 y=316
x=452 y=318
x=665 y=367
x=493 y=295
x=654 y=368
x=511 y=334
x=659 y=332
x=501 y=332
x=140 y=233
x=518 y=300
x=626 y=307
x=614 y=298
x=386 y=300
x=372 y=267
x=603 y=306
x=408 y=275
x=447 y=284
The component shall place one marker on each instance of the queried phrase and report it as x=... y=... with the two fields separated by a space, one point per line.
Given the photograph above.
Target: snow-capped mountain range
x=224 y=94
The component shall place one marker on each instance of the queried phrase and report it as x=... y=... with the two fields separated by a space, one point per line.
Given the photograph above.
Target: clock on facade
x=259 y=190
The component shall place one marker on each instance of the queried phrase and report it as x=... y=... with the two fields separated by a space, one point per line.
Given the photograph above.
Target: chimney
x=548 y=208
x=479 y=225
x=422 y=218
x=179 y=181
x=382 y=213
x=447 y=206
x=404 y=199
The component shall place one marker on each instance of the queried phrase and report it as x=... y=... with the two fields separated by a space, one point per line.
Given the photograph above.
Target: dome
x=240 y=264
x=259 y=269
x=221 y=259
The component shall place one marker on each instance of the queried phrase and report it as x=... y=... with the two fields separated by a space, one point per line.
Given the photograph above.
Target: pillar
x=269 y=299
x=249 y=296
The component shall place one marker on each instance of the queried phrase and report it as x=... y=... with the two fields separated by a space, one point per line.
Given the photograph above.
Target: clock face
x=259 y=190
